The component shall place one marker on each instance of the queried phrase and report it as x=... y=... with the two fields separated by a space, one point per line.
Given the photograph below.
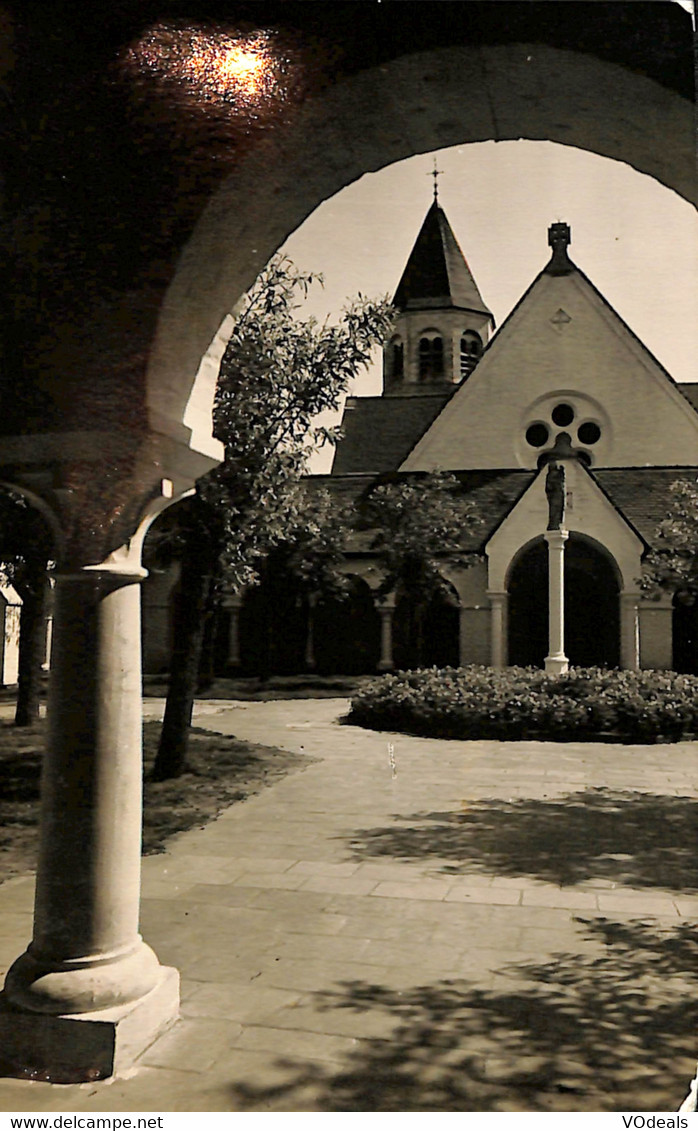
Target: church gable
x=563 y=360
x=589 y=513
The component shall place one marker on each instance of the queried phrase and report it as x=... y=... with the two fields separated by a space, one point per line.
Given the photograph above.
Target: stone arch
x=410 y=105
x=347 y=631
x=592 y=604
x=426 y=633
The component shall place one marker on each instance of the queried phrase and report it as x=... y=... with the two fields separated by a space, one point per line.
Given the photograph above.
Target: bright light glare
x=212 y=65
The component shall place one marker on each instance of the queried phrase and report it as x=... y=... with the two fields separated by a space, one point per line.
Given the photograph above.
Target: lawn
x=222 y=771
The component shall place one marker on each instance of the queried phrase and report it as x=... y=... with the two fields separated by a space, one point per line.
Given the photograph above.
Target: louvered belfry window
x=431 y=358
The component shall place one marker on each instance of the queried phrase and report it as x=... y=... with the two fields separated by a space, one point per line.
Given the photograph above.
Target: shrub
x=525 y=703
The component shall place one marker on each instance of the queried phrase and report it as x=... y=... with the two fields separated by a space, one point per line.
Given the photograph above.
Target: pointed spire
x=437 y=275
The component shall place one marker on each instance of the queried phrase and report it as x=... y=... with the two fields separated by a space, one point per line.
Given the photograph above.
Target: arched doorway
x=592 y=608
x=273 y=628
x=684 y=633
x=425 y=633
x=347 y=632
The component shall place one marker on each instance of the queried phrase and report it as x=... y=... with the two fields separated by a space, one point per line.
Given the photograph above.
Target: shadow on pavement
x=628 y=837
x=575 y=1033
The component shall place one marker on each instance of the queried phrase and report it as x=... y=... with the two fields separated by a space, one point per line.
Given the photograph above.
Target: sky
x=636 y=240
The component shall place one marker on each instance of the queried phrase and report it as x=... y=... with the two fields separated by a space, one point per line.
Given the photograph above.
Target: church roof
x=691 y=393
x=378 y=432
x=437 y=275
x=642 y=494
x=492 y=493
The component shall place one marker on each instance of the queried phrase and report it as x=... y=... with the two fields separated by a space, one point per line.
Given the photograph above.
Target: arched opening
x=347 y=632
x=396 y=360
x=359 y=125
x=684 y=633
x=470 y=352
x=431 y=357
x=425 y=632
x=273 y=628
x=592 y=608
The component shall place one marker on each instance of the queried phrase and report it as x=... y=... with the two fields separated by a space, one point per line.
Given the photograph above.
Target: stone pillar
x=386 y=610
x=556 y=661
x=629 y=631
x=309 y=657
x=233 y=603
x=498 y=628
x=88 y=994
x=462 y=635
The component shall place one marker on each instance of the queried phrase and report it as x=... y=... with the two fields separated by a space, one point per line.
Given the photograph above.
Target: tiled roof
x=437 y=274
x=493 y=494
x=378 y=432
x=691 y=393
x=642 y=494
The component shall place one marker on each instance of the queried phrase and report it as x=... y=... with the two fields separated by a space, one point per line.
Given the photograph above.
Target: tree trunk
x=32 y=644
x=207 y=662
x=189 y=628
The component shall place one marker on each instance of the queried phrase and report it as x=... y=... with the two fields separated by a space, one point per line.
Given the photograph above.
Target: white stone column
x=556 y=661
x=462 y=635
x=309 y=657
x=498 y=628
x=630 y=631
x=89 y=994
x=386 y=610
x=233 y=603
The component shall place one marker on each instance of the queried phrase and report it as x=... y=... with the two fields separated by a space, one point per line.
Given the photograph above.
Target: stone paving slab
x=495 y=926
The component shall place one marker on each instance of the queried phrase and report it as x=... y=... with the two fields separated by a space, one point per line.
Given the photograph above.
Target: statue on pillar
x=555 y=492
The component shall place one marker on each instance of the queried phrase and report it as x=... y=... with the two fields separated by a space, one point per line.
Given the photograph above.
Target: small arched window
x=431 y=358
x=397 y=360
x=470 y=352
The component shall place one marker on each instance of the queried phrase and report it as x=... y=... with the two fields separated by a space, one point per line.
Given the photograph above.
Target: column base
x=75 y=1048
x=556 y=665
x=384 y=666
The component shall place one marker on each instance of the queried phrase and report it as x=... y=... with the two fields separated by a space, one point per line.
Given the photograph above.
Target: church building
x=563 y=383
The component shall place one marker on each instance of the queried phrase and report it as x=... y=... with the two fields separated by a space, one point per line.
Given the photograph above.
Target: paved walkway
x=414 y=925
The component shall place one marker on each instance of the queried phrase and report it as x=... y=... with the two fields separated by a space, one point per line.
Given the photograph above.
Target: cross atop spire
x=435 y=173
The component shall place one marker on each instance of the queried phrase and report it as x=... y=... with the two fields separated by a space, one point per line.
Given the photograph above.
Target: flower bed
x=585 y=704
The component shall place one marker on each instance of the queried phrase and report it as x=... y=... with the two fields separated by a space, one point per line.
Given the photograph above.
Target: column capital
x=386 y=604
x=556 y=537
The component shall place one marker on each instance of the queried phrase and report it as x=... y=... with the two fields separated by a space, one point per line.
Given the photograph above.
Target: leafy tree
x=26 y=547
x=672 y=563
x=419 y=528
x=306 y=564
x=278 y=373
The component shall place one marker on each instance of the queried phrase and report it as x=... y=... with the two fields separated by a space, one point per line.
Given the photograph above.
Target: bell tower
x=443 y=324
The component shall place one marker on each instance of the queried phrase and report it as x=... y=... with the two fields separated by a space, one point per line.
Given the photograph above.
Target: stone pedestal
x=556 y=661
x=72 y=1048
x=386 y=611
x=87 y=975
